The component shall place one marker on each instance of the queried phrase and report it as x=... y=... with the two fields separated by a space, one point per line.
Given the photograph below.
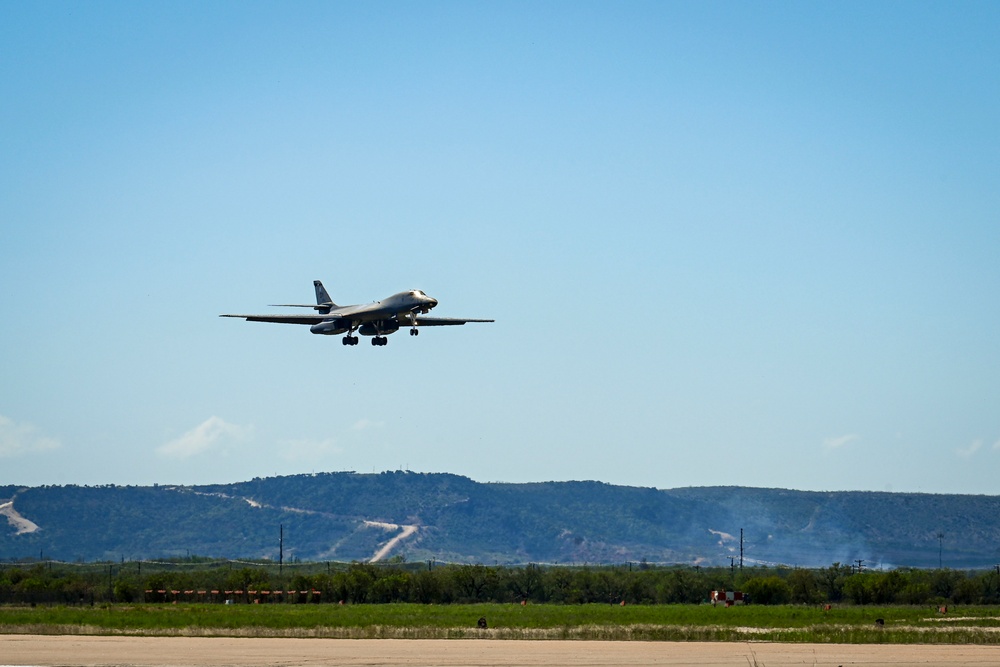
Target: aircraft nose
x=432 y=302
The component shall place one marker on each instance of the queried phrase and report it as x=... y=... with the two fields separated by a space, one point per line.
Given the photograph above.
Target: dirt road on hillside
x=88 y=651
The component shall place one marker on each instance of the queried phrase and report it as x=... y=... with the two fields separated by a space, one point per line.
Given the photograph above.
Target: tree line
x=432 y=583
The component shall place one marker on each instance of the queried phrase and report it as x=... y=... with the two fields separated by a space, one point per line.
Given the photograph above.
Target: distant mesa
x=346 y=516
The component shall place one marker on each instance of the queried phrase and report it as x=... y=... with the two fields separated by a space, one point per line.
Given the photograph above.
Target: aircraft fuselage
x=378 y=318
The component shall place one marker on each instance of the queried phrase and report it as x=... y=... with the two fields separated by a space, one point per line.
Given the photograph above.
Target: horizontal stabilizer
x=314 y=306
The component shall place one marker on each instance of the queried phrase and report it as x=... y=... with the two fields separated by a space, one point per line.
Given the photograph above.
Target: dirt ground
x=39 y=650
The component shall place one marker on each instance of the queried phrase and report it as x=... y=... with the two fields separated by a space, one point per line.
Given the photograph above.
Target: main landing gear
x=353 y=340
x=414 y=331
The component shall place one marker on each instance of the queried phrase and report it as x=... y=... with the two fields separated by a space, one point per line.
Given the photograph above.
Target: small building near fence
x=728 y=597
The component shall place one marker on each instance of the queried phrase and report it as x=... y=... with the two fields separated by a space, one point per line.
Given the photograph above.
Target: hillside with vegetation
x=448 y=518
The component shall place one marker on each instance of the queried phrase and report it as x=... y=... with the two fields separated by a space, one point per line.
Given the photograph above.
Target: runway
x=80 y=651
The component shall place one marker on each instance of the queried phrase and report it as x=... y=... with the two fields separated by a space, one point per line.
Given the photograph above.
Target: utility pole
x=861 y=564
x=741 y=550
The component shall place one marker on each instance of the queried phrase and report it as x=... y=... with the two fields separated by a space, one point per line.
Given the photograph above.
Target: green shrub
x=767 y=590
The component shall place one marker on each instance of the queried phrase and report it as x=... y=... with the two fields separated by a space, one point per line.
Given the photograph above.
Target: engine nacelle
x=379 y=328
x=331 y=327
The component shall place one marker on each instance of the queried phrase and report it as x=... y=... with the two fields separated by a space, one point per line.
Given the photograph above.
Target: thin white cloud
x=210 y=434
x=996 y=445
x=365 y=424
x=967 y=452
x=22 y=439
x=839 y=441
x=307 y=451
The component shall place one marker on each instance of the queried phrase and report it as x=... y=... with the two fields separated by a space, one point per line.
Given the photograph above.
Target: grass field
x=849 y=624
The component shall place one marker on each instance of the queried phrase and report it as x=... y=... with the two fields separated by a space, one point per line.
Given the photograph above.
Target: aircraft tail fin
x=323 y=301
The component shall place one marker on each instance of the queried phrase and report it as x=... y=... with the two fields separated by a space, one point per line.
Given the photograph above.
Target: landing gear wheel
x=414 y=331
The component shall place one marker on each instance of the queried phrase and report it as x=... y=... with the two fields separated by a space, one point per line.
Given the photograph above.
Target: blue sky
x=724 y=243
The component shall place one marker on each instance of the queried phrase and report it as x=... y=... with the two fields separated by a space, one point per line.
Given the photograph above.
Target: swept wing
x=282 y=319
x=441 y=321
x=316 y=319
